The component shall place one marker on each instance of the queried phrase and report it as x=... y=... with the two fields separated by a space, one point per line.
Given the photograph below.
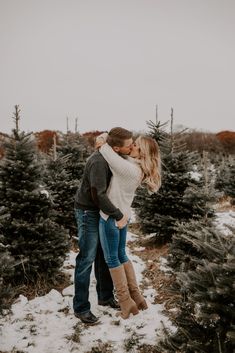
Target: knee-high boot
x=133 y=286
x=128 y=306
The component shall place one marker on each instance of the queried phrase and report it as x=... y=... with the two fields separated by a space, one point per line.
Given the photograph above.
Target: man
x=89 y=200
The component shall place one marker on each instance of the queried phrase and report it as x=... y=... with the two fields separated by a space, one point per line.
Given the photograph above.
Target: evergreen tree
x=62 y=189
x=77 y=147
x=7 y=264
x=181 y=196
x=158 y=132
x=230 y=187
x=33 y=237
x=205 y=317
x=65 y=165
x=222 y=175
x=225 y=178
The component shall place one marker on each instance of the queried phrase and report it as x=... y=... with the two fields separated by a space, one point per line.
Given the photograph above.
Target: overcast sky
x=108 y=63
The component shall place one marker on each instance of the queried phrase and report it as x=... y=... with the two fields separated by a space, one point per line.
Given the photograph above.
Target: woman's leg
x=133 y=286
x=110 y=238
x=130 y=272
x=122 y=246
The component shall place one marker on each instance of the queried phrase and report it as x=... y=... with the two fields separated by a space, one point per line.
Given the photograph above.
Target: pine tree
x=158 y=132
x=62 y=190
x=77 y=147
x=65 y=165
x=33 y=237
x=7 y=264
x=204 y=319
x=225 y=178
x=230 y=187
x=181 y=197
x=222 y=174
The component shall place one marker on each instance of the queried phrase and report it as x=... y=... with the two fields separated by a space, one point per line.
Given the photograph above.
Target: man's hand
x=122 y=223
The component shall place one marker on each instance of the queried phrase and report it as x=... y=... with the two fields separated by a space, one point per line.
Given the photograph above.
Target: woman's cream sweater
x=127 y=176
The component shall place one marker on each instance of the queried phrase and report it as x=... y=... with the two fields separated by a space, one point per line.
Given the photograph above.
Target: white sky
x=110 y=62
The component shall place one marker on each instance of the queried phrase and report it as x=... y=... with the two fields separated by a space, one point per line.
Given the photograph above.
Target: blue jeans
x=113 y=242
x=89 y=251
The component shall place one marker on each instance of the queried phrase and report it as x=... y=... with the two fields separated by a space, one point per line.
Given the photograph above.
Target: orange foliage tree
x=45 y=140
x=91 y=135
x=202 y=141
x=227 y=139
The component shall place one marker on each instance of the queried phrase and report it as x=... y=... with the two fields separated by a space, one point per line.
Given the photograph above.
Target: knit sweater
x=127 y=176
x=91 y=195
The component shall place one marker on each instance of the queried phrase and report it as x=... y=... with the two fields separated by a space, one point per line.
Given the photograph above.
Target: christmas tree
x=62 y=190
x=34 y=238
x=230 y=188
x=181 y=196
x=65 y=165
x=7 y=264
x=77 y=147
x=204 y=318
x=222 y=174
x=225 y=177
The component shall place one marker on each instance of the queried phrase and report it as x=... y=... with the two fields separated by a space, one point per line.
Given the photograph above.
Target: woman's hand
x=123 y=222
x=100 y=140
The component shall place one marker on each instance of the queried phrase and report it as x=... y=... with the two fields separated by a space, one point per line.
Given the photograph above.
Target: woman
x=142 y=166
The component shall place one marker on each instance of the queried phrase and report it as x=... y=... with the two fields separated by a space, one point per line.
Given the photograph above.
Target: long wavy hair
x=150 y=162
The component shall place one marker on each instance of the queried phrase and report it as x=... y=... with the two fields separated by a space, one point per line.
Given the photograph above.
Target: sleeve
x=100 y=139
x=117 y=163
x=99 y=184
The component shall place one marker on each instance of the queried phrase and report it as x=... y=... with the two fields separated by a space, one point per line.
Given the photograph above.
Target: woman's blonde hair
x=150 y=162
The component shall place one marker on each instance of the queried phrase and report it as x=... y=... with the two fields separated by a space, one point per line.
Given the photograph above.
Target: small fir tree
x=33 y=237
x=181 y=196
x=65 y=166
x=204 y=317
x=230 y=187
x=222 y=175
x=77 y=147
x=62 y=189
x=7 y=264
x=225 y=178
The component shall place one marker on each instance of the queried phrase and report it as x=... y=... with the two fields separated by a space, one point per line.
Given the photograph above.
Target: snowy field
x=47 y=324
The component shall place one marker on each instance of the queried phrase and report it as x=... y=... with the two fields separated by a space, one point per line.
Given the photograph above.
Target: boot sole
x=91 y=324
x=124 y=317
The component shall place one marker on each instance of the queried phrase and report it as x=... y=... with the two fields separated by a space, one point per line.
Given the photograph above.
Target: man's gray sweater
x=91 y=195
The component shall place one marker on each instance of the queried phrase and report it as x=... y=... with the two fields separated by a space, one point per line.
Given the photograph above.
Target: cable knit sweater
x=127 y=176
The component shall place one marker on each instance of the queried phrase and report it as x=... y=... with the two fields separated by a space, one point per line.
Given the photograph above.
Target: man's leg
x=104 y=280
x=104 y=284
x=88 y=237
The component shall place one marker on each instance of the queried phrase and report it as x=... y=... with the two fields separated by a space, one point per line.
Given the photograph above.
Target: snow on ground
x=47 y=324
x=223 y=219
x=164 y=265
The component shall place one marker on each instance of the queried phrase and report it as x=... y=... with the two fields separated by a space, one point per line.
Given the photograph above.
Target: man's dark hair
x=117 y=136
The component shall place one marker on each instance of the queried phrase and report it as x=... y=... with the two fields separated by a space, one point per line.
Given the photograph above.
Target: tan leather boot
x=133 y=286
x=128 y=306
